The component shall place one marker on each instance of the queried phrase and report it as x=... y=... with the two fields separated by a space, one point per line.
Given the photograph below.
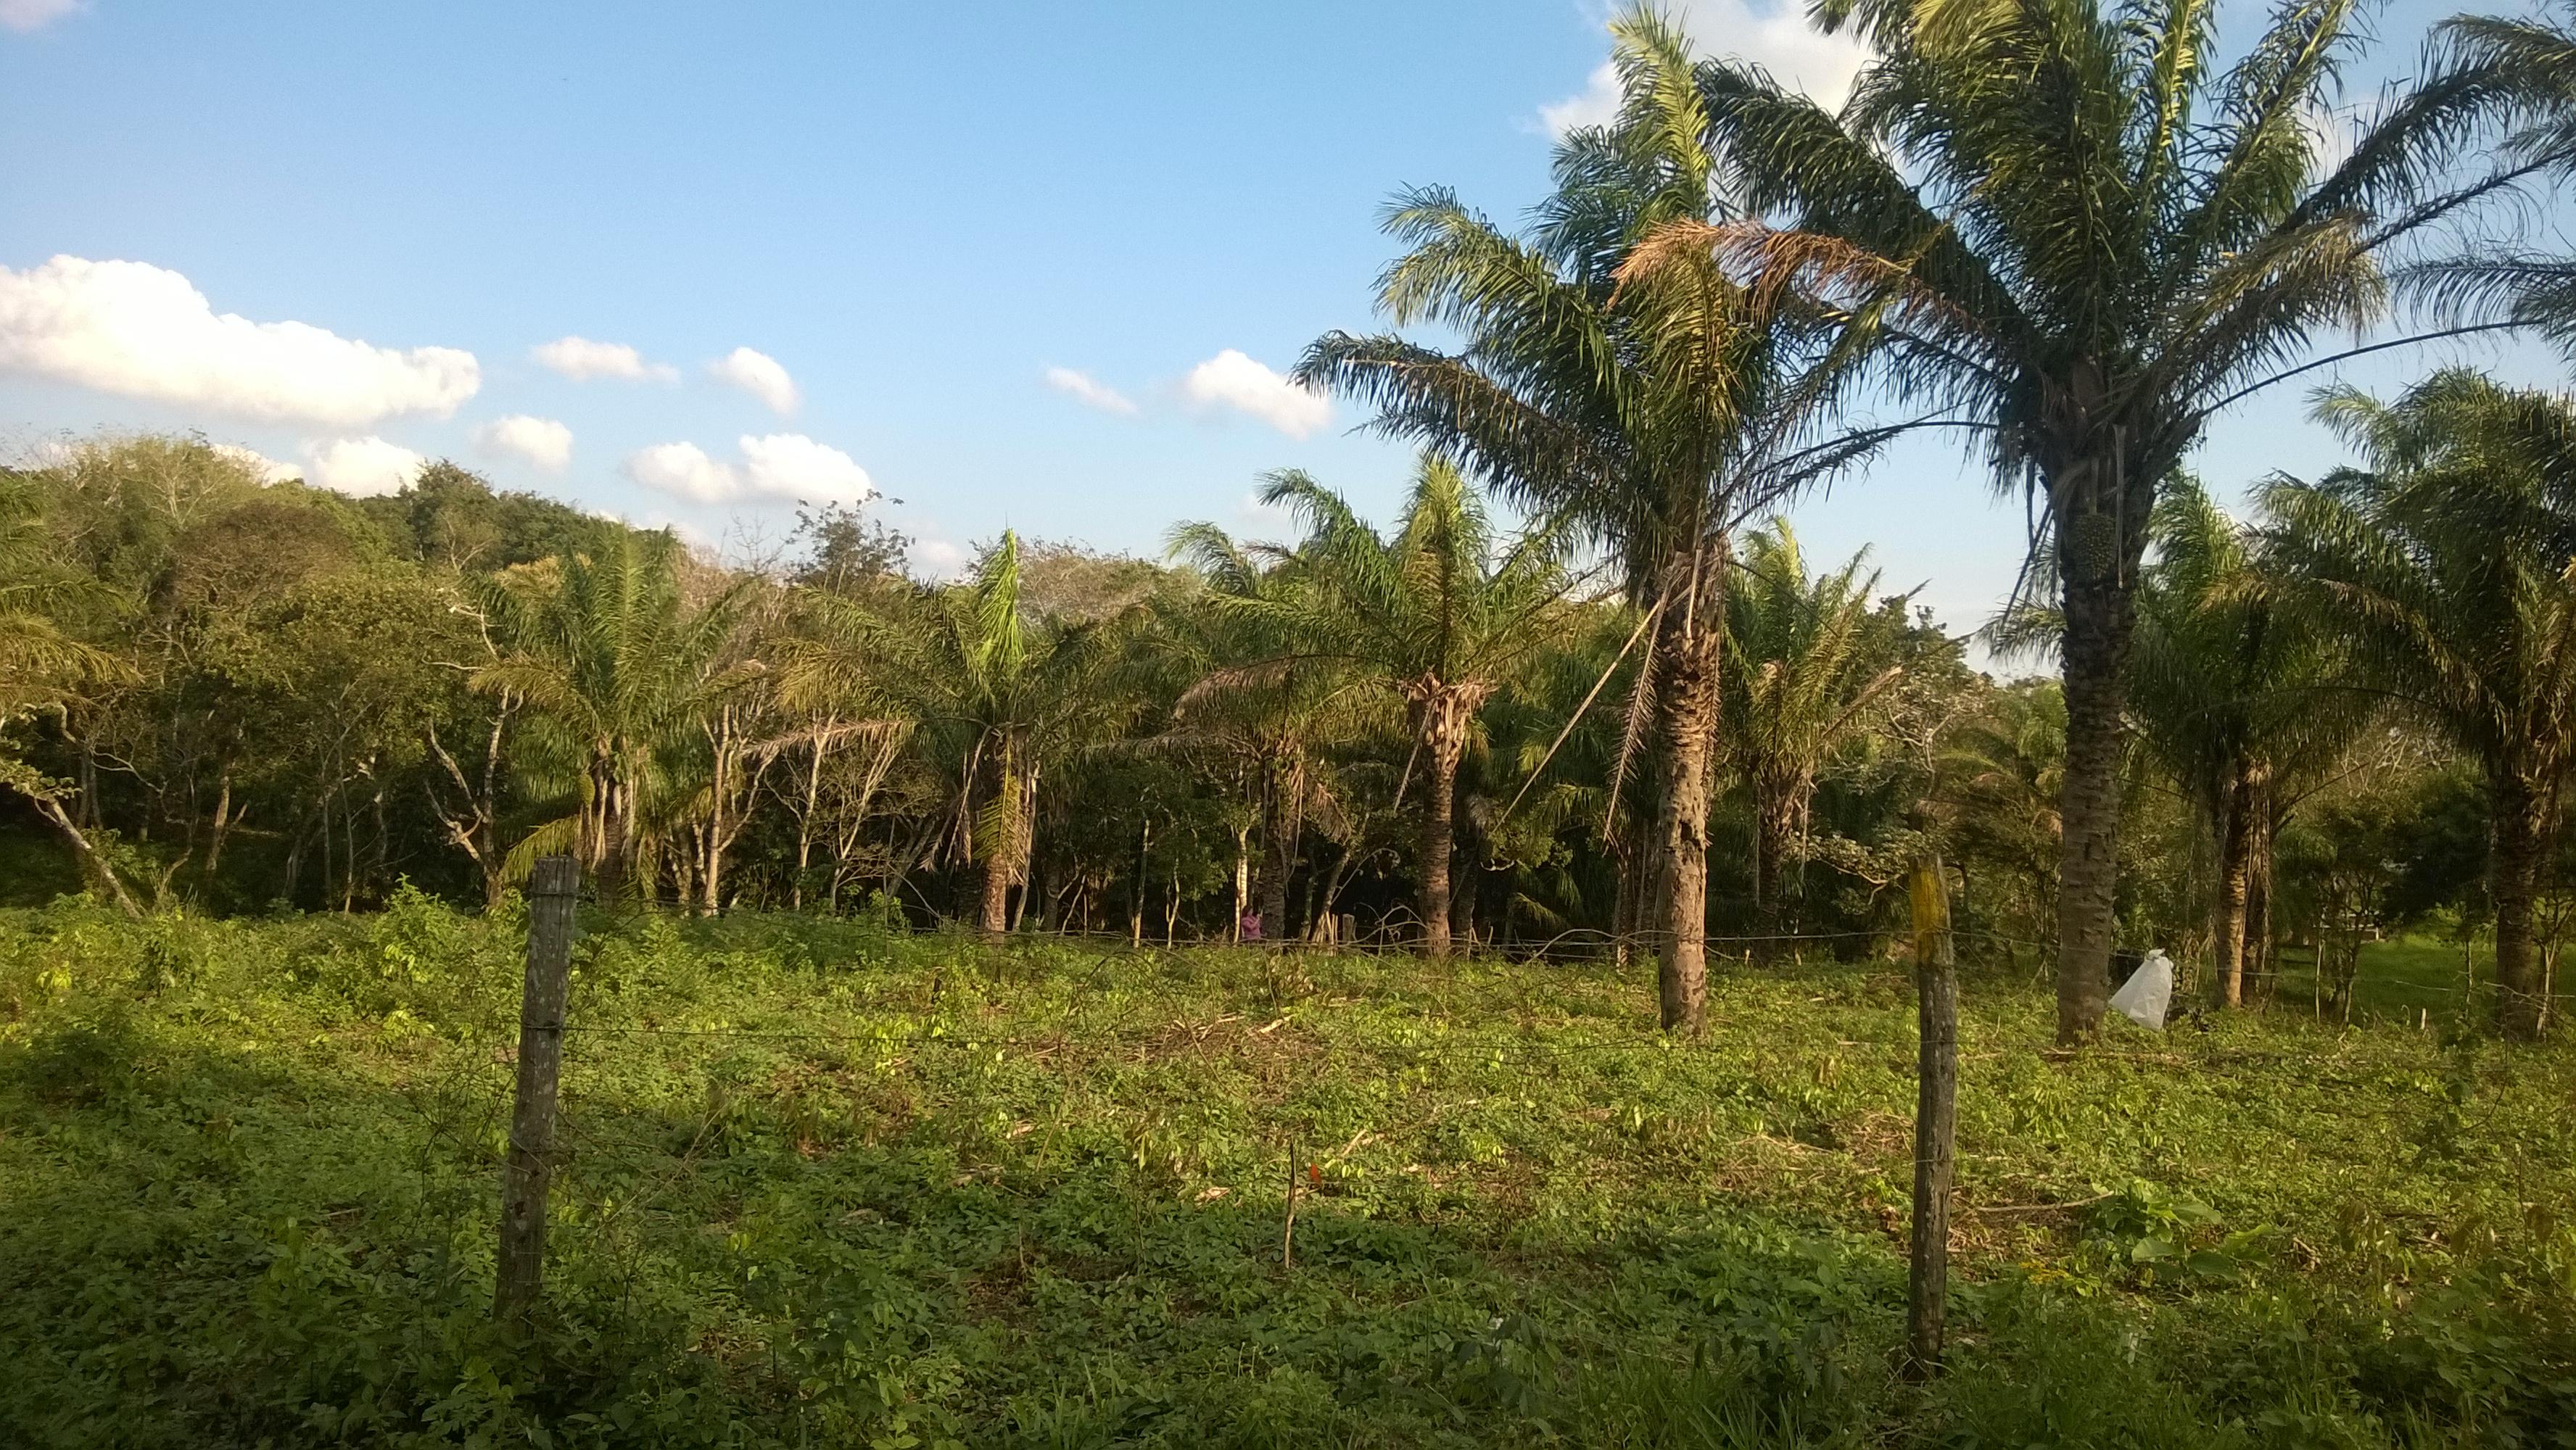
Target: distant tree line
x=1636 y=717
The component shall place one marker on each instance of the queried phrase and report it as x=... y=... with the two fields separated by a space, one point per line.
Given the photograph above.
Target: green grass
x=827 y=1185
x=2419 y=980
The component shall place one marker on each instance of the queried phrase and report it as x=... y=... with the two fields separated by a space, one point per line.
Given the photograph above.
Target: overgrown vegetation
x=831 y=1183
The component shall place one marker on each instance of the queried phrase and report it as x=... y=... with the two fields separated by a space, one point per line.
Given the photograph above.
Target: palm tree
x=2444 y=563
x=1811 y=671
x=2229 y=693
x=996 y=693
x=1429 y=616
x=615 y=672
x=1651 y=413
x=2068 y=226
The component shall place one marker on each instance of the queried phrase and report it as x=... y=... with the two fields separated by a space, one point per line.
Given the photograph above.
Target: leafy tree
x=2069 y=226
x=2444 y=563
x=1651 y=410
x=42 y=672
x=1430 y=616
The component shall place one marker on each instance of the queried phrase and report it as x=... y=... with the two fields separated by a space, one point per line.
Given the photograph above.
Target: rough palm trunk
x=2099 y=616
x=2517 y=848
x=1693 y=632
x=994 y=915
x=1287 y=795
x=1775 y=825
x=1441 y=717
x=2235 y=871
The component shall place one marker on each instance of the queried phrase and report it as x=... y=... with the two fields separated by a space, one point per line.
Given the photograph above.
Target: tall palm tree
x=2447 y=562
x=996 y=691
x=2067 y=225
x=2230 y=694
x=1429 y=616
x=1810 y=672
x=614 y=671
x=1652 y=413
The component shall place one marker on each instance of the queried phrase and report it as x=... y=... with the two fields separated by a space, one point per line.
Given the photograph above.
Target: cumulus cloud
x=758 y=374
x=142 y=331
x=1089 y=391
x=939 y=559
x=541 y=441
x=268 y=469
x=1775 y=37
x=23 y=16
x=361 y=467
x=581 y=359
x=779 y=468
x=1232 y=380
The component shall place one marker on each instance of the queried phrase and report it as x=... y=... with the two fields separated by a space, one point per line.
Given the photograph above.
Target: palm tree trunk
x=2519 y=842
x=1442 y=722
x=1287 y=790
x=1693 y=632
x=2235 y=872
x=995 y=915
x=1775 y=822
x=2099 y=617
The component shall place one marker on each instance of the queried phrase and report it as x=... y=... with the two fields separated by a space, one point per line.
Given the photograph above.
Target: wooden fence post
x=529 y=1166
x=1936 y=1117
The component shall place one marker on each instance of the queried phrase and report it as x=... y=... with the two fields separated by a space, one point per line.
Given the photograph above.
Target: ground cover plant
x=833 y=1182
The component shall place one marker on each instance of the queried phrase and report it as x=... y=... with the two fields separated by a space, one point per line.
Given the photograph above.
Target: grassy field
x=831 y=1185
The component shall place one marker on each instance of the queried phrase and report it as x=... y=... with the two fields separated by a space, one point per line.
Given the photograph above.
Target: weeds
x=827 y=1183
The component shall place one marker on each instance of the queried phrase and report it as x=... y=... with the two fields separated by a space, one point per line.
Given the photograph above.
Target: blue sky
x=914 y=212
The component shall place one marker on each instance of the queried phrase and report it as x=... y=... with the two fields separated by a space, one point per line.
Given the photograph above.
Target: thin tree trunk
x=2516 y=854
x=93 y=863
x=1694 y=631
x=2099 y=614
x=2260 y=978
x=1136 y=897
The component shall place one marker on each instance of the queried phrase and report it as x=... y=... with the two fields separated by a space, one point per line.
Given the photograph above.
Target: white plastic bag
x=2148 y=992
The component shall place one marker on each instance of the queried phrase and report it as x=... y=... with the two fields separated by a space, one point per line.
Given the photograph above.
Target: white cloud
x=26 y=15
x=541 y=441
x=581 y=359
x=268 y=469
x=938 y=558
x=780 y=468
x=758 y=374
x=1776 y=38
x=1232 y=380
x=1089 y=391
x=144 y=332
x=1597 y=104
x=361 y=467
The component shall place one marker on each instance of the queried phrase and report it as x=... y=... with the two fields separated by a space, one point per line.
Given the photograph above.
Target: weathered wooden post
x=529 y=1166
x=1936 y=1117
